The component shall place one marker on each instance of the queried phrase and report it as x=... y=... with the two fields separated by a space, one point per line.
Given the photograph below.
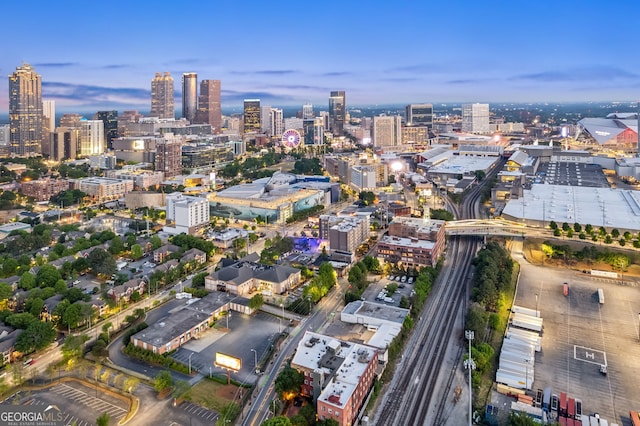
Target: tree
x=106 y=327
x=156 y=242
x=367 y=197
x=101 y=262
x=47 y=276
x=288 y=381
x=116 y=246
x=37 y=336
x=27 y=281
x=162 y=381
x=136 y=252
x=277 y=421
x=518 y=418
x=256 y=302
x=73 y=346
x=103 y=419
x=5 y=291
x=130 y=241
x=130 y=384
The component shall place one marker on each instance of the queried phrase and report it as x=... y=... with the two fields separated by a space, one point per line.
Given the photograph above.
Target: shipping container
x=527 y=311
x=601 y=296
x=512 y=379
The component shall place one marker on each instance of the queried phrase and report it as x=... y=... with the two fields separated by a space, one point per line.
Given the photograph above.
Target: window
x=330 y=411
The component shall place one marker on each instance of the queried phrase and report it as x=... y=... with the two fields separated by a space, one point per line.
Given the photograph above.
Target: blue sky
x=103 y=55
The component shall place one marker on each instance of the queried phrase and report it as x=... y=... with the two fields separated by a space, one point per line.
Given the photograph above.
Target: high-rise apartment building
x=162 y=102
x=64 y=143
x=387 y=130
x=110 y=124
x=419 y=115
x=265 y=120
x=25 y=111
x=277 y=122
x=209 y=109
x=337 y=111
x=187 y=214
x=475 y=118
x=169 y=155
x=91 y=138
x=189 y=96
x=252 y=116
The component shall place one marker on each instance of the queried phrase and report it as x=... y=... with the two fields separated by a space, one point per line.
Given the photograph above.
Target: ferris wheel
x=291 y=138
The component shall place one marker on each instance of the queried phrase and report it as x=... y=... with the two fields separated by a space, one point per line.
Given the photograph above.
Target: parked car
x=403 y=279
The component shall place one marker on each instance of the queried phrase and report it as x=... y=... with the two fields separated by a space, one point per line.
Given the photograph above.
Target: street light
x=255 y=360
x=537 y=312
x=190 y=355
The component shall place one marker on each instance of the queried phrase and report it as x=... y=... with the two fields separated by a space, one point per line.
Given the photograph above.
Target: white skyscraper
x=307 y=112
x=49 y=112
x=475 y=118
x=387 y=130
x=277 y=124
x=91 y=138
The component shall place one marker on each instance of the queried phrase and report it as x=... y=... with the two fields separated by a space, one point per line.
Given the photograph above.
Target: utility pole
x=470 y=365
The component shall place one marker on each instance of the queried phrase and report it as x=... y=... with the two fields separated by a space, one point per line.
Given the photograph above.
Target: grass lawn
x=213 y=395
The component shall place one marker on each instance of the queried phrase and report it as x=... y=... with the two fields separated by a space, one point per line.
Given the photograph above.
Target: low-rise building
x=414 y=242
x=142 y=179
x=124 y=291
x=176 y=329
x=162 y=253
x=338 y=375
x=344 y=233
x=103 y=189
x=244 y=277
x=224 y=239
x=43 y=189
x=194 y=255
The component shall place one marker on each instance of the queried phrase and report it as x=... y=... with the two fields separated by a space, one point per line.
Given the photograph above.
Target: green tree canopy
x=288 y=381
x=37 y=336
x=162 y=381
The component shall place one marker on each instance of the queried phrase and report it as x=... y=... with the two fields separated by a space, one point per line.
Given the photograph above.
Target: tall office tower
x=64 y=143
x=92 y=140
x=162 y=105
x=277 y=123
x=325 y=117
x=48 y=123
x=419 y=115
x=475 y=118
x=251 y=116
x=189 y=96
x=70 y=120
x=307 y=112
x=209 y=109
x=265 y=122
x=110 y=121
x=25 y=111
x=169 y=155
x=307 y=131
x=337 y=107
x=387 y=130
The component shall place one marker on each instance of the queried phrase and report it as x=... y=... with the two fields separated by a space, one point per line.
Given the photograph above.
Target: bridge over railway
x=482 y=227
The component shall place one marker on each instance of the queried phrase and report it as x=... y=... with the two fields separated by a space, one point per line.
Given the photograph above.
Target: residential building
x=251 y=116
x=64 y=143
x=338 y=375
x=246 y=276
x=277 y=122
x=224 y=239
x=209 y=105
x=475 y=118
x=103 y=161
x=187 y=214
x=206 y=155
x=415 y=135
x=124 y=291
x=103 y=189
x=194 y=255
x=169 y=155
x=25 y=111
x=189 y=96
x=110 y=125
x=91 y=136
x=5 y=137
x=344 y=233
x=140 y=149
x=337 y=112
x=414 y=242
x=162 y=97
x=70 y=120
x=162 y=253
x=387 y=130
x=43 y=189
x=419 y=115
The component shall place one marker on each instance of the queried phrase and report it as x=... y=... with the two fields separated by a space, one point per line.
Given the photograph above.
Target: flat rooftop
x=611 y=208
x=407 y=242
x=461 y=164
x=376 y=311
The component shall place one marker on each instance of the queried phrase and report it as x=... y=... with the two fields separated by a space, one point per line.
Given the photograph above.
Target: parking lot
x=575 y=174
x=375 y=292
x=81 y=405
x=256 y=332
x=580 y=334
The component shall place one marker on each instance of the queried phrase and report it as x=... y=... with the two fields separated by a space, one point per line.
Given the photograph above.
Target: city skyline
x=461 y=51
